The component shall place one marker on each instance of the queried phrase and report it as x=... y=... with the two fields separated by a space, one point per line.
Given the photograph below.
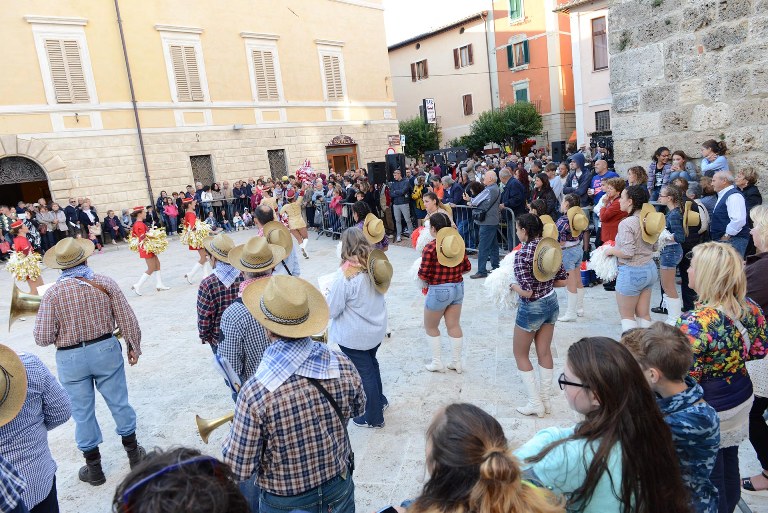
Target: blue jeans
x=681 y=174
x=633 y=280
x=739 y=243
x=532 y=315
x=99 y=364
x=336 y=495
x=463 y=226
x=251 y=492
x=368 y=367
x=726 y=478
x=488 y=248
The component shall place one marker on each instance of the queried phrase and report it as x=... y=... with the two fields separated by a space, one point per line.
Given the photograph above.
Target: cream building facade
x=451 y=66
x=219 y=94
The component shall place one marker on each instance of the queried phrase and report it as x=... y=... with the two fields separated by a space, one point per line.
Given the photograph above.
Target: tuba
x=207 y=426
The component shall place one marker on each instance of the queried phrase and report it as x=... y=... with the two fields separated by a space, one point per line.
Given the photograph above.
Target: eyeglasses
x=689 y=255
x=562 y=382
x=126 y=497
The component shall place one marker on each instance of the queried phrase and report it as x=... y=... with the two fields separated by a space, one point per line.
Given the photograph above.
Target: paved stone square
x=175 y=378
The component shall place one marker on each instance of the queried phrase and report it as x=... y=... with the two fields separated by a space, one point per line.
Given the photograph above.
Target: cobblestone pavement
x=174 y=379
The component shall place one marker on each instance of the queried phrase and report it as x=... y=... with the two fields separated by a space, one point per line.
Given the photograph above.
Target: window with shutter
x=515 y=10
x=464 y=55
x=264 y=73
x=67 y=71
x=518 y=54
x=419 y=70
x=599 y=44
x=186 y=73
x=467 y=102
x=333 y=82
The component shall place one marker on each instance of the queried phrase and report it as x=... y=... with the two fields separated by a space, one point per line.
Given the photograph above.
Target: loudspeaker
x=394 y=161
x=377 y=172
x=558 y=151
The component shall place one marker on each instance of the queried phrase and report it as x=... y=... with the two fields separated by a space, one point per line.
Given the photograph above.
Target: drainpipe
x=484 y=15
x=135 y=106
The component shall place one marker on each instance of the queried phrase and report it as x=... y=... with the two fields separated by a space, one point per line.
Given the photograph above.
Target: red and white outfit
x=139 y=230
x=21 y=245
x=189 y=223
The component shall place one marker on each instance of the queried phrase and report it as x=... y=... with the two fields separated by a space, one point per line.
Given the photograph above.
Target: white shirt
x=737 y=211
x=557 y=186
x=291 y=261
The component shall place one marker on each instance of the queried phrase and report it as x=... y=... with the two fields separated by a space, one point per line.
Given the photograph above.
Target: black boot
x=91 y=472
x=135 y=452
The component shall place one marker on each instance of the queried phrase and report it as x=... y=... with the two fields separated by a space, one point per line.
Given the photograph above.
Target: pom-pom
x=606 y=267
x=24 y=267
x=155 y=241
x=133 y=243
x=194 y=237
x=498 y=282
x=425 y=237
x=665 y=239
x=414 y=274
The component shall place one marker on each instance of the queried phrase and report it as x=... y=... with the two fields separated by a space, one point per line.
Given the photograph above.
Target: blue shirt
x=11 y=486
x=696 y=436
x=597 y=184
x=24 y=440
x=710 y=168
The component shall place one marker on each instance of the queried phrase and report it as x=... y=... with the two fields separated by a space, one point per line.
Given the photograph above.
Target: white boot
x=644 y=323
x=303 y=247
x=136 y=286
x=534 y=406
x=580 y=301
x=207 y=269
x=191 y=274
x=159 y=283
x=570 y=313
x=674 y=309
x=456 y=344
x=628 y=324
x=437 y=362
x=545 y=387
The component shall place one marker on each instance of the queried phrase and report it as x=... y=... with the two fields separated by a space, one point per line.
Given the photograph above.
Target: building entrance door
x=22 y=179
x=341 y=153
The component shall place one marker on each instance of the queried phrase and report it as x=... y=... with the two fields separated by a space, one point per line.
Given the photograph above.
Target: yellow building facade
x=221 y=92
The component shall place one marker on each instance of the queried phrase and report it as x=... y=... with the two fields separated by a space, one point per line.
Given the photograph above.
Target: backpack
x=704 y=215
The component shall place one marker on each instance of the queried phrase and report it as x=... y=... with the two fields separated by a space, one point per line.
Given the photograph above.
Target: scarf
x=303 y=357
x=247 y=282
x=226 y=273
x=81 y=270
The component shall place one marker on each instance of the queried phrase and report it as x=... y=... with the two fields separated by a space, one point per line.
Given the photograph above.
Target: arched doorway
x=341 y=153
x=22 y=179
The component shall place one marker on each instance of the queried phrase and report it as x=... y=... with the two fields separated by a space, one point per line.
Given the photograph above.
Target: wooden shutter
x=526 y=55
x=332 y=70
x=186 y=73
x=456 y=58
x=67 y=71
x=426 y=71
x=469 y=53
x=413 y=72
x=264 y=73
x=467 y=102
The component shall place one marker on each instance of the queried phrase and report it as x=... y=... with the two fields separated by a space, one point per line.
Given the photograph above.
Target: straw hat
x=68 y=253
x=450 y=247
x=287 y=306
x=546 y=219
x=690 y=217
x=13 y=384
x=578 y=221
x=379 y=270
x=547 y=259
x=652 y=223
x=256 y=255
x=550 y=228
x=277 y=233
x=219 y=247
x=373 y=228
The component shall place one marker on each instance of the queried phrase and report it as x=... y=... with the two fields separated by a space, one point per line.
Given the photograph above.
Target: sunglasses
x=126 y=496
x=563 y=382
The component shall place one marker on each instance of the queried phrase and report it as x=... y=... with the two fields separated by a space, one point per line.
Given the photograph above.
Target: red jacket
x=610 y=217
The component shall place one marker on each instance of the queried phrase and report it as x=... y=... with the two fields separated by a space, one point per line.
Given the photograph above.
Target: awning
x=573 y=137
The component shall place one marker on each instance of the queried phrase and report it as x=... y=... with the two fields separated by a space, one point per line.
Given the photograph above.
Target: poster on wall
x=430 y=113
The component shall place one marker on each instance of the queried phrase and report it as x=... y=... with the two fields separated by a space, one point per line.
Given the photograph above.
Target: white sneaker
x=398 y=239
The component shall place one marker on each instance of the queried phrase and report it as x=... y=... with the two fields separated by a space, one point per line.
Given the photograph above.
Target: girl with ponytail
x=472 y=469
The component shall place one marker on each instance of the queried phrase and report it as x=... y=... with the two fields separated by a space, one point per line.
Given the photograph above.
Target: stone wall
x=109 y=170
x=684 y=71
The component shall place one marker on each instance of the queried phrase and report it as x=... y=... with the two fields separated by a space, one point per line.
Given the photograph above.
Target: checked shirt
x=435 y=273
x=243 y=340
x=523 y=267
x=213 y=298
x=11 y=486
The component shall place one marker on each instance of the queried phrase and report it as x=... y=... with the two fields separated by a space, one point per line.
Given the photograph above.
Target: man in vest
x=729 y=219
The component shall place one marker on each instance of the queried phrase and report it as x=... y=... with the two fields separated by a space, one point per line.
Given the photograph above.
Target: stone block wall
x=684 y=71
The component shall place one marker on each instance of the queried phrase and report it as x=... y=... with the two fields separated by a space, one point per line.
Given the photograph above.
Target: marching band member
x=359 y=314
x=139 y=231
x=296 y=223
x=443 y=262
x=190 y=225
x=26 y=261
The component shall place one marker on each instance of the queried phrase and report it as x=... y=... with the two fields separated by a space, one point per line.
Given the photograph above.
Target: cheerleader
x=296 y=223
x=190 y=219
x=570 y=228
x=22 y=246
x=139 y=231
x=443 y=262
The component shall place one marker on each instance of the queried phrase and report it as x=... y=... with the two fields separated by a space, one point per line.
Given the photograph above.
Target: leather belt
x=87 y=342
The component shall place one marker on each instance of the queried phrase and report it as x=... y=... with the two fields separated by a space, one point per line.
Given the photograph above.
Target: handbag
x=478 y=215
x=329 y=397
x=94 y=229
x=42 y=228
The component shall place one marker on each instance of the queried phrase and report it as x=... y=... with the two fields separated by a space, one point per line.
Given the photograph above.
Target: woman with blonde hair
x=471 y=468
x=726 y=330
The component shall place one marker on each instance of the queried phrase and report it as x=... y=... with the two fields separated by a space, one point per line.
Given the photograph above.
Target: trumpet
x=322 y=337
x=207 y=426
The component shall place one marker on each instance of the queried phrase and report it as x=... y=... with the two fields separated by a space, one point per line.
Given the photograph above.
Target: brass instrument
x=207 y=426
x=323 y=337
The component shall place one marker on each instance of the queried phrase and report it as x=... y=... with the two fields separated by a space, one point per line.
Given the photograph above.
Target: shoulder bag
x=335 y=405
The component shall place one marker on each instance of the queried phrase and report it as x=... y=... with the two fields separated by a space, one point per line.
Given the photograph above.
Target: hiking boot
x=134 y=451
x=92 y=472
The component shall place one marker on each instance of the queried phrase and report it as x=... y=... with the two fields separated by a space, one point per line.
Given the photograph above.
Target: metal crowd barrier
x=333 y=224
x=505 y=232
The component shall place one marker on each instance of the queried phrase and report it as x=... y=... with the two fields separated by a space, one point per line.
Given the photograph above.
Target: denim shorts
x=532 y=315
x=632 y=280
x=440 y=297
x=572 y=257
x=671 y=255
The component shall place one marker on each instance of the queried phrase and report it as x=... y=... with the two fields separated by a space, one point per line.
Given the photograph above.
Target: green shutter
x=515 y=9
x=510 y=57
x=521 y=95
x=526 y=58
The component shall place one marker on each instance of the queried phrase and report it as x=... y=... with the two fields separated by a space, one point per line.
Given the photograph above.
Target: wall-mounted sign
x=430 y=114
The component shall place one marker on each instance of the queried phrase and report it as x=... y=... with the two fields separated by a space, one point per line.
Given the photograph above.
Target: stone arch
x=36 y=150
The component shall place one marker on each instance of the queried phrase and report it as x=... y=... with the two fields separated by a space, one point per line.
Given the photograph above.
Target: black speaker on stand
x=377 y=172
x=558 y=151
x=394 y=161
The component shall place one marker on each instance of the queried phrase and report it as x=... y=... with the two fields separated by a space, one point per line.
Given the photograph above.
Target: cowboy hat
x=287 y=306
x=373 y=228
x=547 y=259
x=550 y=228
x=450 y=247
x=690 y=217
x=652 y=223
x=577 y=220
x=277 y=233
x=546 y=219
x=256 y=255
x=219 y=247
x=68 y=253
x=13 y=384
x=379 y=270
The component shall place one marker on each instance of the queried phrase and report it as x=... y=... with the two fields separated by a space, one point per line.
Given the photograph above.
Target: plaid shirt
x=213 y=297
x=435 y=273
x=72 y=312
x=292 y=437
x=11 y=486
x=524 y=273
x=565 y=234
x=25 y=438
x=243 y=340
